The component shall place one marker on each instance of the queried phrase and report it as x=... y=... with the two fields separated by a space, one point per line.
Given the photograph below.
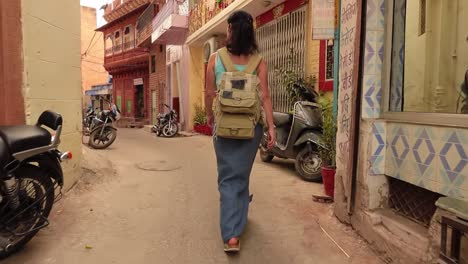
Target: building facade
x=126 y=62
x=157 y=59
x=284 y=31
x=164 y=33
x=402 y=134
x=40 y=69
x=92 y=52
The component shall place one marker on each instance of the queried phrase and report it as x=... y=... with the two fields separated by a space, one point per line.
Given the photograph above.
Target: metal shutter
x=275 y=40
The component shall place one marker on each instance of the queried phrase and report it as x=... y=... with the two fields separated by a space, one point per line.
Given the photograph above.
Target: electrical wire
x=91 y=42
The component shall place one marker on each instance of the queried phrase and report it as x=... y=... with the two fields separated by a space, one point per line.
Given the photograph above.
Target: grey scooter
x=298 y=136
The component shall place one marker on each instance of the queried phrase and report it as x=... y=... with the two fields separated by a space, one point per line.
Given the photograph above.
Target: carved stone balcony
x=120 y=8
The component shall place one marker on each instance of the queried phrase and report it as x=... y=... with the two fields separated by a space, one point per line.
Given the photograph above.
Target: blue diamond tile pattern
x=424 y=160
x=400 y=154
x=453 y=168
x=378 y=149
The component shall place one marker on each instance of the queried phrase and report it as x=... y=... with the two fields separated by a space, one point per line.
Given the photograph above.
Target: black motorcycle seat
x=4 y=154
x=21 y=138
x=281 y=119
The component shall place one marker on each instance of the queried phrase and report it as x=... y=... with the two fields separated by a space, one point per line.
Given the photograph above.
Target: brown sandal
x=232 y=248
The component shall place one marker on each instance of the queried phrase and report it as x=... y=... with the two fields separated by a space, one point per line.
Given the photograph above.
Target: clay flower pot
x=328 y=176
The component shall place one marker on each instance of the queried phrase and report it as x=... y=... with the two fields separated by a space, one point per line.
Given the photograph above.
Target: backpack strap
x=253 y=63
x=226 y=60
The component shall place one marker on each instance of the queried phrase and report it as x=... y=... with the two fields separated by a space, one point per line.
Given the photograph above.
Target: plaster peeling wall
x=52 y=75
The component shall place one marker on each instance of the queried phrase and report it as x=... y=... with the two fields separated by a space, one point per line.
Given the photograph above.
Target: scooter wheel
x=308 y=164
x=265 y=156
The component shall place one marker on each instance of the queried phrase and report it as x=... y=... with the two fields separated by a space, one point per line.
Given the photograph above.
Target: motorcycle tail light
x=66 y=156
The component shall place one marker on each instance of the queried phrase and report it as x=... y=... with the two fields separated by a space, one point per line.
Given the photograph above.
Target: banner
x=323 y=19
x=350 y=32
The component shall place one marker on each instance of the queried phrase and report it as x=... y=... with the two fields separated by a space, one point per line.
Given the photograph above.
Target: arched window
x=109 y=45
x=117 y=42
x=129 y=37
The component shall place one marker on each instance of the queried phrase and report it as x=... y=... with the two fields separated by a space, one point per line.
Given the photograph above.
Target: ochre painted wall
x=197 y=80
x=51 y=73
x=92 y=50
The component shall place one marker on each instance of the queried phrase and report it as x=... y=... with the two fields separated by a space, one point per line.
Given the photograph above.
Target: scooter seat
x=21 y=138
x=281 y=119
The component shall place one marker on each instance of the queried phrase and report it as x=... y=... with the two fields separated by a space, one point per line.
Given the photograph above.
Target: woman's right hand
x=271 y=137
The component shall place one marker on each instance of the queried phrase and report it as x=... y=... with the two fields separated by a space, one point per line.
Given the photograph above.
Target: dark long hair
x=242 y=40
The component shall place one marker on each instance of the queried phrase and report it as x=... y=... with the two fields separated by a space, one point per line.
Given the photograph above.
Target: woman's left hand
x=271 y=137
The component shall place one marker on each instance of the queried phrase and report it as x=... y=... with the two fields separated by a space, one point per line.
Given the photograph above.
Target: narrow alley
x=150 y=200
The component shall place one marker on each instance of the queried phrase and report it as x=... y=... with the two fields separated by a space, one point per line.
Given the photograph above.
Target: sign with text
x=138 y=81
x=323 y=19
x=350 y=33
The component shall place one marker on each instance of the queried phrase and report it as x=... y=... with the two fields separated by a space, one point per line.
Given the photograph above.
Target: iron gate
x=275 y=40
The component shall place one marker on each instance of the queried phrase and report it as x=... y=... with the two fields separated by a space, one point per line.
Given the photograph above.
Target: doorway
x=139 y=101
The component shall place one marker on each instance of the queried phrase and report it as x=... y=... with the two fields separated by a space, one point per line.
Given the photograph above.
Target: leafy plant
x=291 y=74
x=328 y=152
x=200 y=115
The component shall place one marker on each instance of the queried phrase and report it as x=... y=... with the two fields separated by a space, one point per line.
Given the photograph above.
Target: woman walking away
x=239 y=107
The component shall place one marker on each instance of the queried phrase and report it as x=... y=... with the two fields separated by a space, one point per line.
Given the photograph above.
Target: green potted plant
x=328 y=151
x=200 y=121
x=292 y=74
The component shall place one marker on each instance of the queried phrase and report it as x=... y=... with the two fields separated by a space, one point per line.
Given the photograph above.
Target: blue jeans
x=235 y=158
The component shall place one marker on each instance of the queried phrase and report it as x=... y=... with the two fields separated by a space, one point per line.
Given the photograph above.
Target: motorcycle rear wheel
x=98 y=142
x=36 y=192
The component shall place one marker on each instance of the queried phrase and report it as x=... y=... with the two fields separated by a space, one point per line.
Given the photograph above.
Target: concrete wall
x=51 y=73
x=92 y=50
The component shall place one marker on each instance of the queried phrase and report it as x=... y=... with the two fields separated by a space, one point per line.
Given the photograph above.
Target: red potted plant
x=200 y=121
x=328 y=151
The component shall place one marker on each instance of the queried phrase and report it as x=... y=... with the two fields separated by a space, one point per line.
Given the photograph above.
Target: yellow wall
x=92 y=69
x=197 y=79
x=52 y=75
x=415 y=62
x=174 y=80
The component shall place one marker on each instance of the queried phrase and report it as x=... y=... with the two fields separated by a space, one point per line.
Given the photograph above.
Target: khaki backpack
x=237 y=107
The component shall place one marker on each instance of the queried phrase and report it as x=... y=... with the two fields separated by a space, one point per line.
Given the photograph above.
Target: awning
x=105 y=89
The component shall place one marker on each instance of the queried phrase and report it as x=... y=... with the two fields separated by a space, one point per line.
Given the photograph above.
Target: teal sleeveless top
x=220 y=69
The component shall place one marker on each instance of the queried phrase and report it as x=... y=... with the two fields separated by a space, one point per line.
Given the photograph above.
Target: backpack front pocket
x=235 y=126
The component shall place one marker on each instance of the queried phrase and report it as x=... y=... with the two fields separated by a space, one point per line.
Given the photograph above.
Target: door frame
x=12 y=110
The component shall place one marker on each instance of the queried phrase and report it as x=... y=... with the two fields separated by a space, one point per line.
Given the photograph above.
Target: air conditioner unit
x=210 y=47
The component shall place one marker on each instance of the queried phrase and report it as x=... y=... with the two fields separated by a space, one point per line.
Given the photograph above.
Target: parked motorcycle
x=30 y=175
x=89 y=115
x=166 y=124
x=99 y=127
x=298 y=136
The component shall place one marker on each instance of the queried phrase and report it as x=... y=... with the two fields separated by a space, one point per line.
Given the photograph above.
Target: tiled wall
x=428 y=156
x=431 y=157
x=373 y=58
x=378 y=148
